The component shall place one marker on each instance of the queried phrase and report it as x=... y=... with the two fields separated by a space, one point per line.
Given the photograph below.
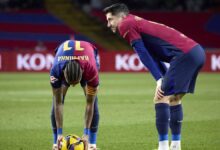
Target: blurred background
x=30 y=30
x=39 y=26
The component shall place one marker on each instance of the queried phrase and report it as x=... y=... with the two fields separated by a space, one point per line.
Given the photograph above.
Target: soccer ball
x=72 y=142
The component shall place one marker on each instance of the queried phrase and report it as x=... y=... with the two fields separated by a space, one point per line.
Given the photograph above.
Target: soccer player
x=156 y=43
x=75 y=62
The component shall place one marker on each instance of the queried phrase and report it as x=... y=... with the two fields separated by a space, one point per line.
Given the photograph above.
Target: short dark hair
x=116 y=9
x=72 y=71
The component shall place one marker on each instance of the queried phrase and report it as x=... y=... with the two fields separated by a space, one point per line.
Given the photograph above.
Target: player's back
x=160 y=39
x=73 y=47
x=81 y=51
x=74 y=50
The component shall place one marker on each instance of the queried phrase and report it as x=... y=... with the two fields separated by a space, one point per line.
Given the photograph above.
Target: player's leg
x=162 y=106
x=176 y=115
x=54 y=128
x=186 y=68
x=53 y=123
x=162 y=109
x=95 y=120
x=94 y=126
x=164 y=113
x=162 y=122
x=176 y=118
x=53 y=120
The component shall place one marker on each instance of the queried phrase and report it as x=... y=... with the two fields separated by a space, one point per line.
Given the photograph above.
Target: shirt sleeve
x=91 y=75
x=129 y=31
x=147 y=59
x=94 y=80
x=97 y=59
x=162 y=67
x=55 y=77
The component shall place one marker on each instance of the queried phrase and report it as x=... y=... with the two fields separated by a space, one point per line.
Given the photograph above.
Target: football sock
x=162 y=120
x=176 y=117
x=86 y=131
x=175 y=145
x=54 y=136
x=92 y=137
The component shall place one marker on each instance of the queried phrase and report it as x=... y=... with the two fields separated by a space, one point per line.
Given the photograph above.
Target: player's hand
x=159 y=94
x=59 y=142
x=85 y=139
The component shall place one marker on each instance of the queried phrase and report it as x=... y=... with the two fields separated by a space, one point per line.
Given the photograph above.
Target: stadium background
x=30 y=30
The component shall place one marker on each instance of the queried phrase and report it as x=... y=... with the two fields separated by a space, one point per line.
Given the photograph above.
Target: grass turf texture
x=126 y=109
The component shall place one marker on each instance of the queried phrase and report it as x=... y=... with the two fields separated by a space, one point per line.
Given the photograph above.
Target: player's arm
x=146 y=58
x=58 y=92
x=162 y=67
x=130 y=31
x=91 y=93
x=58 y=107
x=58 y=98
x=159 y=94
x=91 y=90
x=58 y=110
x=152 y=65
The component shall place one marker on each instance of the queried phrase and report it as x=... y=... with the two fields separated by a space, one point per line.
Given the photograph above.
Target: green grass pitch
x=126 y=109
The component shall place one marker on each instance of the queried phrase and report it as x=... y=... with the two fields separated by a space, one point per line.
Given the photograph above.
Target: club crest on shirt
x=53 y=79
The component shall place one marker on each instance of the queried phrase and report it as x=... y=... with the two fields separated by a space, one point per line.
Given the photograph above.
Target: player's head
x=73 y=72
x=115 y=14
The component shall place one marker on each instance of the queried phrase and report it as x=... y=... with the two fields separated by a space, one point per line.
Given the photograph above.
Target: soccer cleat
x=163 y=145
x=55 y=147
x=160 y=149
x=175 y=147
x=93 y=147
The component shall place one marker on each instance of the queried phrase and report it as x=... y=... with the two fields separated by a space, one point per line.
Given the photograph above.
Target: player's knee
x=175 y=99
x=165 y=99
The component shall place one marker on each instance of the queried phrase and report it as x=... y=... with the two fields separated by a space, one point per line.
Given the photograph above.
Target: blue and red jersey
x=154 y=42
x=81 y=51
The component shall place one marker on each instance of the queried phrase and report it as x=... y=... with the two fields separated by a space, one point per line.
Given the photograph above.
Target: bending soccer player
x=75 y=62
x=156 y=43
